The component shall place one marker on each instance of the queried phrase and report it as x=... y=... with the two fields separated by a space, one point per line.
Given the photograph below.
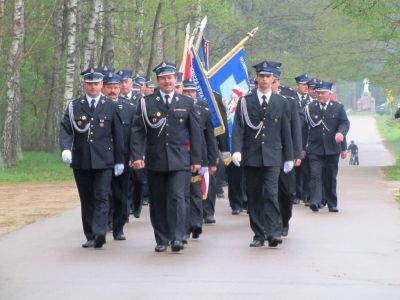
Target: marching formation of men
x=130 y=143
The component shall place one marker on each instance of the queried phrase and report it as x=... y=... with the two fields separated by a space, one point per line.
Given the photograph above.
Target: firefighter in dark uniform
x=287 y=181
x=302 y=173
x=327 y=127
x=138 y=187
x=91 y=142
x=164 y=128
x=209 y=156
x=120 y=185
x=261 y=133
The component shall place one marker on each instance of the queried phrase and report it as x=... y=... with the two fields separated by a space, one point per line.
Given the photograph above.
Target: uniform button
x=109 y=148
x=263 y=127
x=264 y=119
x=262 y=142
x=166 y=144
x=166 y=124
x=91 y=141
x=263 y=134
x=92 y=119
x=167 y=133
x=91 y=133
x=91 y=126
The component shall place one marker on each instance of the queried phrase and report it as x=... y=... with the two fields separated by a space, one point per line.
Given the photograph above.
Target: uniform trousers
x=286 y=193
x=194 y=205
x=120 y=186
x=94 y=190
x=323 y=176
x=209 y=204
x=263 y=206
x=302 y=180
x=167 y=205
x=139 y=181
x=236 y=187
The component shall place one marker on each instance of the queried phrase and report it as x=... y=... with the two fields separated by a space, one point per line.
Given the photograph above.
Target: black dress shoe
x=274 y=241
x=333 y=209
x=220 y=195
x=99 y=240
x=285 y=230
x=145 y=201
x=209 y=220
x=160 y=248
x=196 y=232
x=120 y=237
x=88 y=244
x=314 y=207
x=136 y=213
x=235 y=211
x=296 y=201
x=257 y=243
x=177 y=246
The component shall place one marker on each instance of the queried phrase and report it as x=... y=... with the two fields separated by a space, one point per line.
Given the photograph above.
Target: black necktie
x=166 y=101
x=264 y=102
x=92 y=106
x=323 y=107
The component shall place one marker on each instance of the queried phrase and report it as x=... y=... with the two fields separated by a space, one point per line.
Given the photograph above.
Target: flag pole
x=231 y=53
x=201 y=30
x=185 y=48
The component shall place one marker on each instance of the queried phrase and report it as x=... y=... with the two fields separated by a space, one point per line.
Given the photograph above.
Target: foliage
x=37 y=167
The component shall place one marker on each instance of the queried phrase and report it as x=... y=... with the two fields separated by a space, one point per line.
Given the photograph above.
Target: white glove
x=288 y=166
x=225 y=155
x=66 y=156
x=118 y=169
x=203 y=170
x=237 y=158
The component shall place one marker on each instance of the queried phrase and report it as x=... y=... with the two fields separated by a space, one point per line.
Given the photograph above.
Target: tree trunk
x=89 y=58
x=156 y=40
x=138 y=60
x=55 y=105
x=107 y=50
x=71 y=51
x=11 y=141
x=2 y=5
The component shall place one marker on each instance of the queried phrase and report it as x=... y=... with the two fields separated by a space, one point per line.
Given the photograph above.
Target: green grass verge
x=37 y=167
x=390 y=129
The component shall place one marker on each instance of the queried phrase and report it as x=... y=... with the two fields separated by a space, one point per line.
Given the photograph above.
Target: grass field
x=37 y=167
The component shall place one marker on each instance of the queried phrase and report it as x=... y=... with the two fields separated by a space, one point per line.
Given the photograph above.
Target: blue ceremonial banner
x=231 y=80
x=204 y=91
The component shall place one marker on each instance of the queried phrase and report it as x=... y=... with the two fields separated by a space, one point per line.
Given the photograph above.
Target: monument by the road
x=366 y=102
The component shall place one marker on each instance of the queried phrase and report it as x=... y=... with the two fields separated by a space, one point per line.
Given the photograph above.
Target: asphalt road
x=354 y=254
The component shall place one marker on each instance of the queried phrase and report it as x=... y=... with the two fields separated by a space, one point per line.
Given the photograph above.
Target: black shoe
x=88 y=244
x=296 y=201
x=145 y=201
x=99 y=240
x=235 y=211
x=220 y=195
x=160 y=248
x=120 y=237
x=137 y=212
x=285 y=230
x=209 y=220
x=196 y=232
x=274 y=241
x=306 y=203
x=256 y=243
x=176 y=246
x=333 y=209
x=314 y=207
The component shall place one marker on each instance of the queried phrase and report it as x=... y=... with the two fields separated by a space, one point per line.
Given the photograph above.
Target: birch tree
x=156 y=40
x=55 y=105
x=89 y=58
x=107 y=57
x=138 y=60
x=71 y=51
x=11 y=140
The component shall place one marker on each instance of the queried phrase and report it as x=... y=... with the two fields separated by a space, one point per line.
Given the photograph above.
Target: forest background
x=44 y=45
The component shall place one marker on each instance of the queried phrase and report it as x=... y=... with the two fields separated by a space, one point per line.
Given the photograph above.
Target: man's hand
x=195 y=168
x=212 y=170
x=118 y=169
x=137 y=164
x=288 y=166
x=297 y=162
x=66 y=157
x=339 y=137
x=237 y=158
x=343 y=154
